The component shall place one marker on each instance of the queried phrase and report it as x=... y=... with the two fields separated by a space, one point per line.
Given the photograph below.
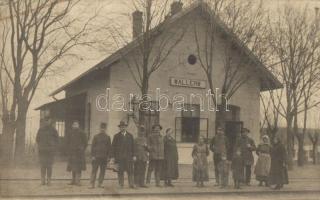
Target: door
x=190 y=129
x=232 y=131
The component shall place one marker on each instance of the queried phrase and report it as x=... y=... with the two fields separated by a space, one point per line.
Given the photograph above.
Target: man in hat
x=247 y=146
x=76 y=143
x=123 y=152
x=156 y=153
x=47 y=140
x=219 y=146
x=100 y=153
x=141 y=153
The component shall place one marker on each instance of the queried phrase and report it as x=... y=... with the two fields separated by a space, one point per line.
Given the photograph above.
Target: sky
x=110 y=11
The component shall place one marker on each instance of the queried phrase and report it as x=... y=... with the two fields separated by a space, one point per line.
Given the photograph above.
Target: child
x=237 y=168
x=224 y=171
x=200 y=163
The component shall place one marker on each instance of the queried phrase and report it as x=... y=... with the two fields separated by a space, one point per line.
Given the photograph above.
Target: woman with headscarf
x=262 y=168
x=278 y=169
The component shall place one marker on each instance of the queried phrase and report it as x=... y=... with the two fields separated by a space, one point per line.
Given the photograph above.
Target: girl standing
x=200 y=163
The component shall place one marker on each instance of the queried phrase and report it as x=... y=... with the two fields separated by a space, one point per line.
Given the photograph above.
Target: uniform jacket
x=246 y=152
x=101 y=146
x=219 y=144
x=123 y=146
x=47 y=139
x=156 y=146
x=141 y=148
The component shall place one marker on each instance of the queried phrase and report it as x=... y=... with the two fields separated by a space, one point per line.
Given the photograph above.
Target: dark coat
x=219 y=145
x=278 y=170
x=156 y=146
x=141 y=149
x=101 y=146
x=246 y=152
x=76 y=141
x=47 y=139
x=123 y=147
x=170 y=164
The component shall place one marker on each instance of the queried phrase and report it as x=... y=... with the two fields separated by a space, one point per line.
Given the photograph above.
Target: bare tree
x=270 y=102
x=8 y=106
x=40 y=34
x=244 y=23
x=151 y=50
x=294 y=39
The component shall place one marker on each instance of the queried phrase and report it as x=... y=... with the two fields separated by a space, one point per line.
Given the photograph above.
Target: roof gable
x=269 y=81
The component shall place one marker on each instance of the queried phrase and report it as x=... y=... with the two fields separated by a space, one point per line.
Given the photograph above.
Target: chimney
x=176 y=7
x=316 y=9
x=136 y=23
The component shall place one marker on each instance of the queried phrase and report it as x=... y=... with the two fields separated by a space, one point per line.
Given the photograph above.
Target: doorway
x=232 y=131
x=190 y=129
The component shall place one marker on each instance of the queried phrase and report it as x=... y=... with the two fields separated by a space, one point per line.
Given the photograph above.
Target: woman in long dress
x=200 y=162
x=170 y=169
x=262 y=168
x=278 y=170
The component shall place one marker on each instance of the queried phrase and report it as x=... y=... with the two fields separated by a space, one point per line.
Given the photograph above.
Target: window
x=192 y=59
x=189 y=126
x=60 y=125
x=188 y=130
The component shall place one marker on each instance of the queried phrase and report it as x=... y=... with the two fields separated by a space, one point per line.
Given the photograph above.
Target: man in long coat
x=47 y=140
x=141 y=153
x=100 y=153
x=247 y=146
x=156 y=153
x=76 y=141
x=123 y=151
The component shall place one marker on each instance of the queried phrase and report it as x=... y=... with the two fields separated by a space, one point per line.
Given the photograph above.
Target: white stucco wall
x=247 y=96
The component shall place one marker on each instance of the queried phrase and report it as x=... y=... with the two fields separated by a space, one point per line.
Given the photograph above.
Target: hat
x=122 y=123
x=103 y=125
x=156 y=125
x=168 y=129
x=245 y=130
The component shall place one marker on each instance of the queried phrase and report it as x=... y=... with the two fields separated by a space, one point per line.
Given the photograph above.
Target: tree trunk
x=289 y=143
x=21 y=133
x=142 y=112
x=301 y=156
x=7 y=142
x=314 y=153
x=220 y=115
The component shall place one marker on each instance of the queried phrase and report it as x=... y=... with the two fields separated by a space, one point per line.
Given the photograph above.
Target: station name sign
x=181 y=82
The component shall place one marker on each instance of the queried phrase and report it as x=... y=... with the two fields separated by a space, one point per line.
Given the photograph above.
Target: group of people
x=158 y=154
x=126 y=153
x=270 y=169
